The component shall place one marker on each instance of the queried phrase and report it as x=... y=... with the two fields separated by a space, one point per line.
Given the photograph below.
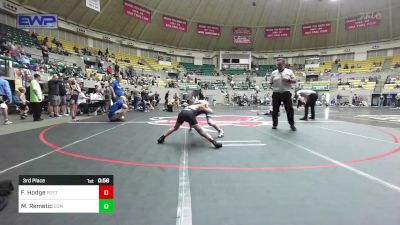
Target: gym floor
x=341 y=169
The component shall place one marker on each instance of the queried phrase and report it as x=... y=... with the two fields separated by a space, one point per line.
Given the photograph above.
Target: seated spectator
x=76 y=50
x=21 y=58
x=100 y=68
x=118 y=110
x=3 y=47
x=34 y=35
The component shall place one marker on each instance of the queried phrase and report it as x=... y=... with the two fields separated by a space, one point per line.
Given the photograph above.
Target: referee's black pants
x=36 y=110
x=286 y=98
x=312 y=99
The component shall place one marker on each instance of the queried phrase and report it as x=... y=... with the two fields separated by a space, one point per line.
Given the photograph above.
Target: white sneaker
x=66 y=114
x=221 y=134
x=8 y=122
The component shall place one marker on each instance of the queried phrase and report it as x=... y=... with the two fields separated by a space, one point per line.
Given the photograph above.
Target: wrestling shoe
x=161 y=140
x=216 y=144
x=220 y=134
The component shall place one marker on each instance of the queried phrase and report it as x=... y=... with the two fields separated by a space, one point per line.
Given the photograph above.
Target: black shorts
x=187 y=116
x=74 y=99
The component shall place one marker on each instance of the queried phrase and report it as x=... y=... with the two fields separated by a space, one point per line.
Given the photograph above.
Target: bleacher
x=392 y=86
x=205 y=69
x=17 y=35
x=233 y=72
x=357 y=85
x=244 y=86
x=119 y=56
x=188 y=86
x=315 y=85
x=395 y=60
x=364 y=66
x=324 y=66
x=265 y=85
x=265 y=69
x=217 y=84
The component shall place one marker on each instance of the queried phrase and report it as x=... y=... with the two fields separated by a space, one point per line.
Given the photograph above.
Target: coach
x=281 y=83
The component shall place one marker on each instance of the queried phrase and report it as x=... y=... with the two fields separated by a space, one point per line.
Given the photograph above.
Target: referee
x=308 y=98
x=281 y=83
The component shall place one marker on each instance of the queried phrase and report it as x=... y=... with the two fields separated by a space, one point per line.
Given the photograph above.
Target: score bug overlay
x=66 y=194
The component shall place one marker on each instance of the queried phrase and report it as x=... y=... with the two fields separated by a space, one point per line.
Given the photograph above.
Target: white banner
x=93 y=4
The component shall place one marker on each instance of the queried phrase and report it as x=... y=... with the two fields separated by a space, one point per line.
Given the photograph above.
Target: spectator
x=36 y=98
x=389 y=100
x=166 y=96
x=136 y=98
x=354 y=99
x=54 y=96
x=107 y=53
x=116 y=68
x=45 y=54
x=381 y=100
x=63 y=96
x=339 y=98
x=75 y=49
x=100 y=68
x=75 y=90
x=5 y=97
x=397 y=97
x=22 y=103
x=33 y=35
x=116 y=88
x=145 y=100
x=157 y=98
x=118 y=110
x=109 y=70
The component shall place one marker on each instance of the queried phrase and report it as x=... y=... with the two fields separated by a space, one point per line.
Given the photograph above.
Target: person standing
x=116 y=88
x=166 y=99
x=136 y=98
x=308 y=98
x=36 y=98
x=381 y=100
x=5 y=97
x=389 y=100
x=45 y=54
x=54 y=96
x=281 y=82
x=63 y=97
x=75 y=90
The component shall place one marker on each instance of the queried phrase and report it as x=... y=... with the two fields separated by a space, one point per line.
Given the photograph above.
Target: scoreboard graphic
x=66 y=194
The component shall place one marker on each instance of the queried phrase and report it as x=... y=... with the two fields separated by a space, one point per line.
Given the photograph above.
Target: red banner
x=316 y=29
x=276 y=32
x=175 y=23
x=366 y=20
x=242 y=35
x=137 y=11
x=207 y=29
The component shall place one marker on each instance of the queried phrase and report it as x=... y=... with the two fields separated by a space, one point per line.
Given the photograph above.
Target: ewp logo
x=37 y=21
